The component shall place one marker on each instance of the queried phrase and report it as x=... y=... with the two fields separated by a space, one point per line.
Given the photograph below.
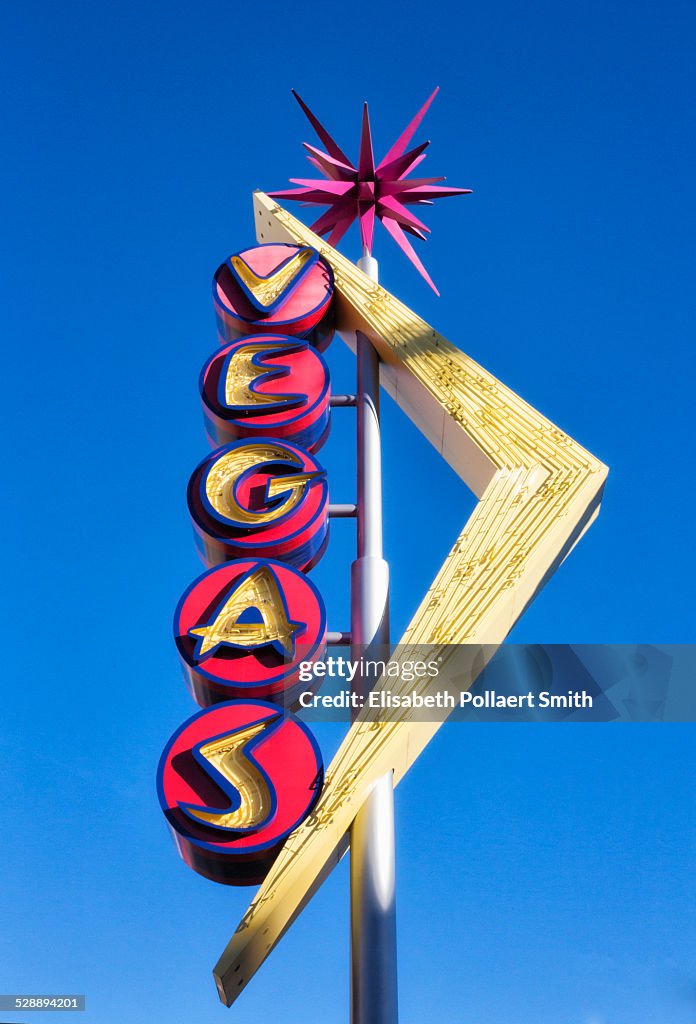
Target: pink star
x=367 y=192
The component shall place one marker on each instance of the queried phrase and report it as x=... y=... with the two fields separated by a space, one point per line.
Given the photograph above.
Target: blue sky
x=545 y=873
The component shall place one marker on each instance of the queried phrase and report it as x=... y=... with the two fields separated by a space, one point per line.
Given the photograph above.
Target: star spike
x=402 y=241
x=340 y=229
x=402 y=142
x=368 y=192
x=328 y=166
x=330 y=188
x=403 y=164
x=332 y=147
x=329 y=219
x=390 y=207
x=367 y=224
x=366 y=160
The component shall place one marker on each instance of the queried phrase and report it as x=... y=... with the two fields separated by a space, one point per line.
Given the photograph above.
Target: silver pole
x=372 y=875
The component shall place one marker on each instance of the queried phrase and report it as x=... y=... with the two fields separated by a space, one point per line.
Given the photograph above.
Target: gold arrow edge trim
x=538 y=492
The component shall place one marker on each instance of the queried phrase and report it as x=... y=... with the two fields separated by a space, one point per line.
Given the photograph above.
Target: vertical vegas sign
x=242 y=783
x=238 y=777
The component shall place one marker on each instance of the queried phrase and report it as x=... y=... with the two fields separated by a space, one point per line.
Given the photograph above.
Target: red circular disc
x=245 y=629
x=277 y=287
x=269 y=385
x=233 y=782
x=261 y=498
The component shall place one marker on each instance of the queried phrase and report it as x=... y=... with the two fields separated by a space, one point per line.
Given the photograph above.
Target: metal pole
x=372 y=875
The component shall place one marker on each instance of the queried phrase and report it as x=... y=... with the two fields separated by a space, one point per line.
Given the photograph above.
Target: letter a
x=258 y=591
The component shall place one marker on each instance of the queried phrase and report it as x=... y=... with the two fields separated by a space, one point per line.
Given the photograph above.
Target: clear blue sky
x=546 y=873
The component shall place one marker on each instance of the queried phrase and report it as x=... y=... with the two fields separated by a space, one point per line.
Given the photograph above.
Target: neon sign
x=227 y=653
x=262 y=497
x=277 y=288
x=266 y=386
x=260 y=511
x=234 y=781
x=239 y=776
